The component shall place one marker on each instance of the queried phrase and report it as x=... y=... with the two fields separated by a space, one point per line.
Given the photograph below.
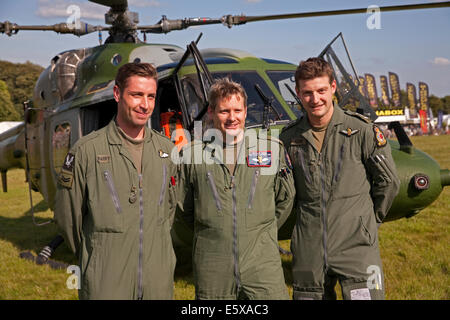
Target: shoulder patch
x=65 y=179
x=379 y=137
x=69 y=162
x=358 y=115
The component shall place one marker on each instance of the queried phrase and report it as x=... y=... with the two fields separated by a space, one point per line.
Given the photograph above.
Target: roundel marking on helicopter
x=116 y=59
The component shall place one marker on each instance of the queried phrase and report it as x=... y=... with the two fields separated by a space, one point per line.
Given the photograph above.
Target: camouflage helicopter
x=74 y=96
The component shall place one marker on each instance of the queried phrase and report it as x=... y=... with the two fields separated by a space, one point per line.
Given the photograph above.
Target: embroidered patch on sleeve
x=379 y=137
x=69 y=161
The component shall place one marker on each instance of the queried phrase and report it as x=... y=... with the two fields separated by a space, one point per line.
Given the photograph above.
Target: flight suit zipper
x=112 y=191
x=141 y=238
x=324 y=211
x=253 y=189
x=235 y=239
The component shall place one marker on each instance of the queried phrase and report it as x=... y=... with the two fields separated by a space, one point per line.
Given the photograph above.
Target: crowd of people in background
x=415 y=130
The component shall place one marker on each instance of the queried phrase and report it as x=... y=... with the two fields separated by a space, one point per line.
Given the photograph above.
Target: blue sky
x=413 y=44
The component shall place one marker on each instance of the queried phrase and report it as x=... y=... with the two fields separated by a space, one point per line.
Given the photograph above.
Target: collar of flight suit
x=114 y=138
x=336 y=119
x=113 y=134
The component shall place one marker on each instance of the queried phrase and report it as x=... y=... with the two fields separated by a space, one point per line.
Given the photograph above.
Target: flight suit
x=117 y=221
x=235 y=219
x=343 y=194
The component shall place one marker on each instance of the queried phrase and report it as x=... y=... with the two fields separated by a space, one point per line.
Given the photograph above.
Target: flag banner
x=423 y=121
x=423 y=96
x=384 y=91
x=362 y=87
x=412 y=100
x=395 y=89
x=440 y=119
x=371 y=90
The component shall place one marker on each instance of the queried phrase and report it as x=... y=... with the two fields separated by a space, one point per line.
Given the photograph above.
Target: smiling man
x=234 y=207
x=115 y=198
x=346 y=180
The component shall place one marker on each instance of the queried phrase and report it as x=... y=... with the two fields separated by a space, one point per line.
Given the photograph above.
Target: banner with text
x=395 y=89
x=371 y=89
x=412 y=99
x=384 y=91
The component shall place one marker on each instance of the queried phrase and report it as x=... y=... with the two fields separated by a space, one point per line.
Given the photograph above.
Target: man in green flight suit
x=115 y=198
x=346 y=180
x=234 y=198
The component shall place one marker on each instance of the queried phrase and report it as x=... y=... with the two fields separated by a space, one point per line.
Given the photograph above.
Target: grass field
x=415 y=251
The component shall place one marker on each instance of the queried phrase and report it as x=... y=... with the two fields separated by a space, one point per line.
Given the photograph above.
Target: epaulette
x=291 y=124
x=358 y=115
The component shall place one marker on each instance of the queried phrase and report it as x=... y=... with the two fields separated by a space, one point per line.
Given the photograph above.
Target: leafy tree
x=20 y=79
x=7 y=111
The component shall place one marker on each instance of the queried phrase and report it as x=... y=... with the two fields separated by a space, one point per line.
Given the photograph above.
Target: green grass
x=415 y=251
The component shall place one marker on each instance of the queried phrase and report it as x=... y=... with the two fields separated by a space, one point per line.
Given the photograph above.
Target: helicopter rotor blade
x=165 y=25
x=80 y=29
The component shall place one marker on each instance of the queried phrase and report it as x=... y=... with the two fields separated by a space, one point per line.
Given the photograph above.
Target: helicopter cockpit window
x=248 y=79
x=337 y=56
x=281 y=79
x=60 y=144
x=255 y=106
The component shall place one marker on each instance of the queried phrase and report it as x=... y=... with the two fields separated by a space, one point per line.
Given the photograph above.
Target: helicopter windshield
x=248 y=79
x=281 y=79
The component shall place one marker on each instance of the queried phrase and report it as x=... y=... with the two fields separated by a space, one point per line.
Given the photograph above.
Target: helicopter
x=74 y=96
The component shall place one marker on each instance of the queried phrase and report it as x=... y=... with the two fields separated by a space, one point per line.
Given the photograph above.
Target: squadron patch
x=379 y=137
x=259 y=159
x=348 y=132
x=65 y=177
x=68 y=162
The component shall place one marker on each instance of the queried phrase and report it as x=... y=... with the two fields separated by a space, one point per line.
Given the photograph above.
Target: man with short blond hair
x=234 y=206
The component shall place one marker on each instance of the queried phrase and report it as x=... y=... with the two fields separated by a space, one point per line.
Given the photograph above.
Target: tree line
x=17 y=82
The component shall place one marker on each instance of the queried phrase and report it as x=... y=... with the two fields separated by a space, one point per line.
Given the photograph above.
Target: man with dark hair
x=115 y=198
x=346 y=180
x=234 y=199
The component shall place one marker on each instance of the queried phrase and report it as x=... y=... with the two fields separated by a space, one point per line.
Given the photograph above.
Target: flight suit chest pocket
x=260 y=207
x=105 y=204
x=302 y=162
x=208 y=203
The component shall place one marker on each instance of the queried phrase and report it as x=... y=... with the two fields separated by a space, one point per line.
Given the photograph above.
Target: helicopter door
x=193 y=96
x=346 y=78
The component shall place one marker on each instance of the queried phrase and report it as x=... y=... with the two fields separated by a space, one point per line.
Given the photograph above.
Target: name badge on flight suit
x=259 y=159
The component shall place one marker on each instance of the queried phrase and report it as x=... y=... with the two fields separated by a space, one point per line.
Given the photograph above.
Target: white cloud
x=58 y=9
x=439 y=61
x=144 y=3
x=253 y=1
